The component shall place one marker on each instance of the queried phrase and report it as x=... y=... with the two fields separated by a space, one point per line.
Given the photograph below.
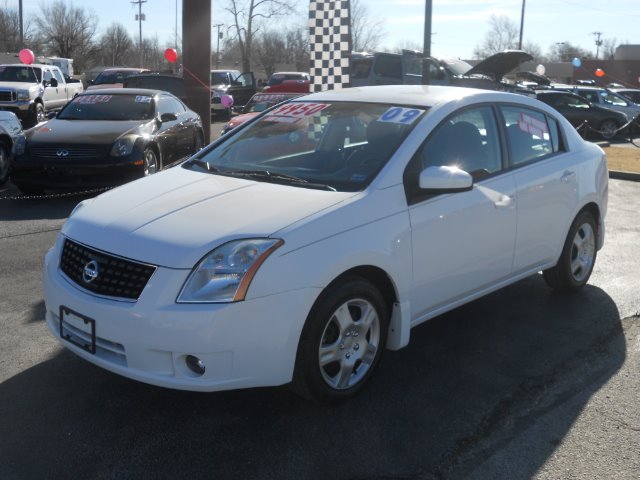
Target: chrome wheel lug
x=356 y=346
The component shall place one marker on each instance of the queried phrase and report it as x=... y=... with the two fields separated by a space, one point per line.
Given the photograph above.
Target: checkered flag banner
x=330 y=42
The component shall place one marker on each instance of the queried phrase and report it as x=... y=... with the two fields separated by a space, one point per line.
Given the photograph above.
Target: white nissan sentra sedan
x=298 y=248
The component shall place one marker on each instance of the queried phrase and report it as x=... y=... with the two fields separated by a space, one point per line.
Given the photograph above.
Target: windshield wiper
x=202 y=164
x=267 y=175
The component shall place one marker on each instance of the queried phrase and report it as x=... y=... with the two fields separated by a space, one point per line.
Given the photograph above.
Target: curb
x=634 y=177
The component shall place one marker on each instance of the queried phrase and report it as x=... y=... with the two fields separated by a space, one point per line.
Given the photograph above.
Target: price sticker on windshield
x=143 y=99
x=93 y=99
x=298 y=110
x=402 y=115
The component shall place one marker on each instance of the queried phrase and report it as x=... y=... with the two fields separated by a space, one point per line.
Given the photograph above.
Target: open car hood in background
x=498 y=65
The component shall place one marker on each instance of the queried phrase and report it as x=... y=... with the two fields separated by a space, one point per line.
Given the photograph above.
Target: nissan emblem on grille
x=62 y=153
x=90 y=271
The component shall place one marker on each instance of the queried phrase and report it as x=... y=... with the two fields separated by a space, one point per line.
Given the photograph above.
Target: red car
x=258 y=103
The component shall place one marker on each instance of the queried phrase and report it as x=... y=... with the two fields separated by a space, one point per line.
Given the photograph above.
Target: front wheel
x=578 y=256
x=4 y=163
x=342 y=342
x=150 y=161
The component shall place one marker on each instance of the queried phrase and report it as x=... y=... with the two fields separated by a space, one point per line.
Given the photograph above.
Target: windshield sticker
x=402 y=115
x=93 y=99
x=143 y=99
x=296 y=111
x=531 y=125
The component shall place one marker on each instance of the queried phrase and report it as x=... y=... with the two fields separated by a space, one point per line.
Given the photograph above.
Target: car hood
x=82 y=131
x=498 y=65
x=175 y=217
x=19 y=85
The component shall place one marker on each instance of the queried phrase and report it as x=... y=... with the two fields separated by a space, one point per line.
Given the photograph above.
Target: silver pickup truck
x=31 y=91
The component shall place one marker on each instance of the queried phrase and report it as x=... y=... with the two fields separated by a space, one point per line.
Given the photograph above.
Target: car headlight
x=224 y=274
x=124 y=146
x=23 y=95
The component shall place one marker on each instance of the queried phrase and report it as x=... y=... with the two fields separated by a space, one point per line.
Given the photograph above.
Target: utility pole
x=598 y=42
x=521 y=25
x=426 y=46
x=140 y=17
x=218 y=44
x=21 y=28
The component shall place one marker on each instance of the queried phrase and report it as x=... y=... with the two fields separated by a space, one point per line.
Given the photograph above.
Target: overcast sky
x=458 y=26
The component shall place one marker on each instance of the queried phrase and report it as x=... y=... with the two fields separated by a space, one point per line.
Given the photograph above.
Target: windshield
x=18 y=74
x=108 y=107
x=261 y=101
x=458 y=67
x=218 y=78
x=333 y=146
x=112 y=76
x=614 y=99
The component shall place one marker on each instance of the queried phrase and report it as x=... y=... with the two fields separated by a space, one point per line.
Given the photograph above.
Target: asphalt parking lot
x=523 y=383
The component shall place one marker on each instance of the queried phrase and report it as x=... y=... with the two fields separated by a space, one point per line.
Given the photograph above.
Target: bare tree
x=270 y=50
x=248 y=15
x=297 y=48
x=609 y=46
x=566 y=52
x=366 y=32
x=116 y=46
x=535 y=51
x=502 y=35
x=67 y=31
x=10 y=31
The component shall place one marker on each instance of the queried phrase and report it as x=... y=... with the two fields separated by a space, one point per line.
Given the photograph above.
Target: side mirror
x=52 y=115
x=445 y=179
x=53 y=82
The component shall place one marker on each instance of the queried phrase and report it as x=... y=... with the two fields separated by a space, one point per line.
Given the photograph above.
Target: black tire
x=608 y=129
x=151 y=164
x=198 y=142
x=578 y=256
x=4 y=163
x=352 y=349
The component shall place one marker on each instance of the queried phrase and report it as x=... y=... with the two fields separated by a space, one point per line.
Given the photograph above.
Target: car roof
x=414 y=95
x=125 y=69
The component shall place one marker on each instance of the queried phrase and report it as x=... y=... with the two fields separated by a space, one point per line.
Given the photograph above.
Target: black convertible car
x=106 y=138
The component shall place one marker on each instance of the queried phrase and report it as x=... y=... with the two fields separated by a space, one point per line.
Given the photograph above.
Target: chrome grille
x=66 y=152
x=7 y=96
x=116 y=277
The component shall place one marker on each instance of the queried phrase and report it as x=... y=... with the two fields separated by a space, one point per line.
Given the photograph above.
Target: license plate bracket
x=77 y=340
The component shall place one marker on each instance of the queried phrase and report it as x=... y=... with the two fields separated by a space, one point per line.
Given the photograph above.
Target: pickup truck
x=32 y=91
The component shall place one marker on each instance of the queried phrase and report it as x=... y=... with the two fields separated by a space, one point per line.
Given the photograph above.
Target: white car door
x=547 y=190
x=462 y=243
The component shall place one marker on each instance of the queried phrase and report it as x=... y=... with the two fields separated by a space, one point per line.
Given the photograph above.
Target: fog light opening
x=195 y=365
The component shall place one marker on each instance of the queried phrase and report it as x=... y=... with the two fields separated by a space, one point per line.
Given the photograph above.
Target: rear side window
x=388 y=66
x=531 y=134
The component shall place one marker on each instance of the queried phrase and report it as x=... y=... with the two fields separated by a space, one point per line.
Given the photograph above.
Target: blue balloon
x=576 y=62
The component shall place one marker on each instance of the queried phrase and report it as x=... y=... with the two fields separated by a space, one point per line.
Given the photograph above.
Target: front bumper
x=76 y=173
x=245 y=344
x=22 y=109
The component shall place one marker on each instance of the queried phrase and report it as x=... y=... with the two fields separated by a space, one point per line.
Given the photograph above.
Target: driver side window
x=467 y=139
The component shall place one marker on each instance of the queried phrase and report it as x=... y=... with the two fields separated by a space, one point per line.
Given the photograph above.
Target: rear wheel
x=578 y=256
x=608 y=129
x=342 y=342
x=150 y=161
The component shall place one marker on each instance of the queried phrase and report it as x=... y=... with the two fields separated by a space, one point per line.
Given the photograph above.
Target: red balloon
x=26 y=56
x=171 y=55
x=599 y=72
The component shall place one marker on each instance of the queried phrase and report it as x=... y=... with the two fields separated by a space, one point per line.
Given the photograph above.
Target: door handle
x=503 y=201
x=568 y=177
